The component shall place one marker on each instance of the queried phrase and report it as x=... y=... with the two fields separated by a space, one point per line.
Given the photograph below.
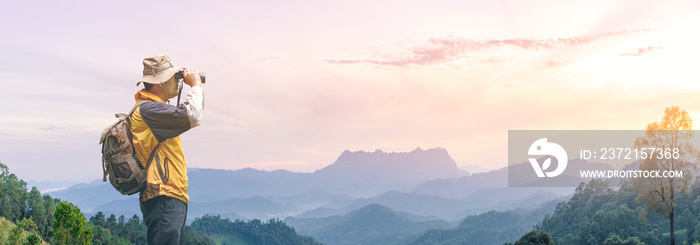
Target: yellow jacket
x=156 y=122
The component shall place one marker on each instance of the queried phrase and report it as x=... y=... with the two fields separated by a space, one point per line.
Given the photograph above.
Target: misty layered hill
x=378 y=224
x=443 y=208
x=489 y=228
x=357 y=173
x=372 y=224
x=455 y=187
x=362 y=198
x=419 y=190
x=353 y=174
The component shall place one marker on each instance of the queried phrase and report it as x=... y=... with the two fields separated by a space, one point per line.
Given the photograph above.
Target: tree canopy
x=671 y=135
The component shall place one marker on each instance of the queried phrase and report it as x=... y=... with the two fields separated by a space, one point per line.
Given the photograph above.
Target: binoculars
x=202 y=76
x=179 y=77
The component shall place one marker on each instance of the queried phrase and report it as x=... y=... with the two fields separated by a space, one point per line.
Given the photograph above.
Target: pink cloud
x=449 y=49
x=268 y=58
x=642 y=51
x=553 y=64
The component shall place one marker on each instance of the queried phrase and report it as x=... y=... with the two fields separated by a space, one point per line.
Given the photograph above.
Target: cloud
x=451 y=49
x=553 y=63
x=53 y=128
x=642 y=51
x=268 y=58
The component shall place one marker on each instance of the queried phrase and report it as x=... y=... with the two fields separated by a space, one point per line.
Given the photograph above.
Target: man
x=156 y=125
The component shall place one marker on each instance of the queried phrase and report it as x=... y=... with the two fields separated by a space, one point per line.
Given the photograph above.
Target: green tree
x=5 y=208
x=36 y=210
x=252 y=232
x=13 y=204
x=33 y=239
x=111 y=224
x=27 y=224
x=614 y=239
x=673 y=134
x=121 y=224
x=4 y=171
x=16 y=193
x=135 y=231
x=49 y=209
x=696 y=234
x=535 y=238
x=101 y=236
x=15 y=237
x=108 y=231
x=99 y=219
x=587 y=200
x=69 y=225
x=194 y=237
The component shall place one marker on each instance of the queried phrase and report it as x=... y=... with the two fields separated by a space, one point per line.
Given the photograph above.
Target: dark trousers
x=165 y=219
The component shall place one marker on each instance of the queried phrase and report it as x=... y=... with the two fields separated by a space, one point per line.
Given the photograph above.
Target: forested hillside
x=493 y=227
x=42 y=219
x=26 y=207
x=18 y=234
x=225 y=231
x=596 y=213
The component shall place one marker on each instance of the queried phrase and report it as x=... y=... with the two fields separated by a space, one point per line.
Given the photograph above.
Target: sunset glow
x=292 y=84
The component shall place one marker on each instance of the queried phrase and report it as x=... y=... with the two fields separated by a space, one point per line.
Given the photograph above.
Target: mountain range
x=421 y=189
x=414 y=182
x=352 y=175
x=417 y=197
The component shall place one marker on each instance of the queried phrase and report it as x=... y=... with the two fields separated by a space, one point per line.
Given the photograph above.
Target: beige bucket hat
x=158 y=69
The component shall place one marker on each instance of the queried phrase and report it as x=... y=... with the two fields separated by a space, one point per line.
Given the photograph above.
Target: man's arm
x=194 y=105
x=195 y=98
x=167 y=121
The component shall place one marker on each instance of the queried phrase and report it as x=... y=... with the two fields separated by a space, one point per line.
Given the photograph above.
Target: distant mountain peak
x=374 y=208
x=394 y=167
x=437 y=151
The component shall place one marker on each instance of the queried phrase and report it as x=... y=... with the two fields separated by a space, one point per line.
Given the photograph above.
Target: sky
x=293 y=84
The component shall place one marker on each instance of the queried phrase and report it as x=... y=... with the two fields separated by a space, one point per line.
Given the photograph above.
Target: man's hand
x=192 y=77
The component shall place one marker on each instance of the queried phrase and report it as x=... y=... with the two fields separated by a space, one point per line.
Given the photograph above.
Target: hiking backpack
x=119 y=159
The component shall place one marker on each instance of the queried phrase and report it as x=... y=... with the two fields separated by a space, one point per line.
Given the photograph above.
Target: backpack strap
x=155 y=150
x=104 y=167
x=137 y=105
x=128 y=123
x=154 y=153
